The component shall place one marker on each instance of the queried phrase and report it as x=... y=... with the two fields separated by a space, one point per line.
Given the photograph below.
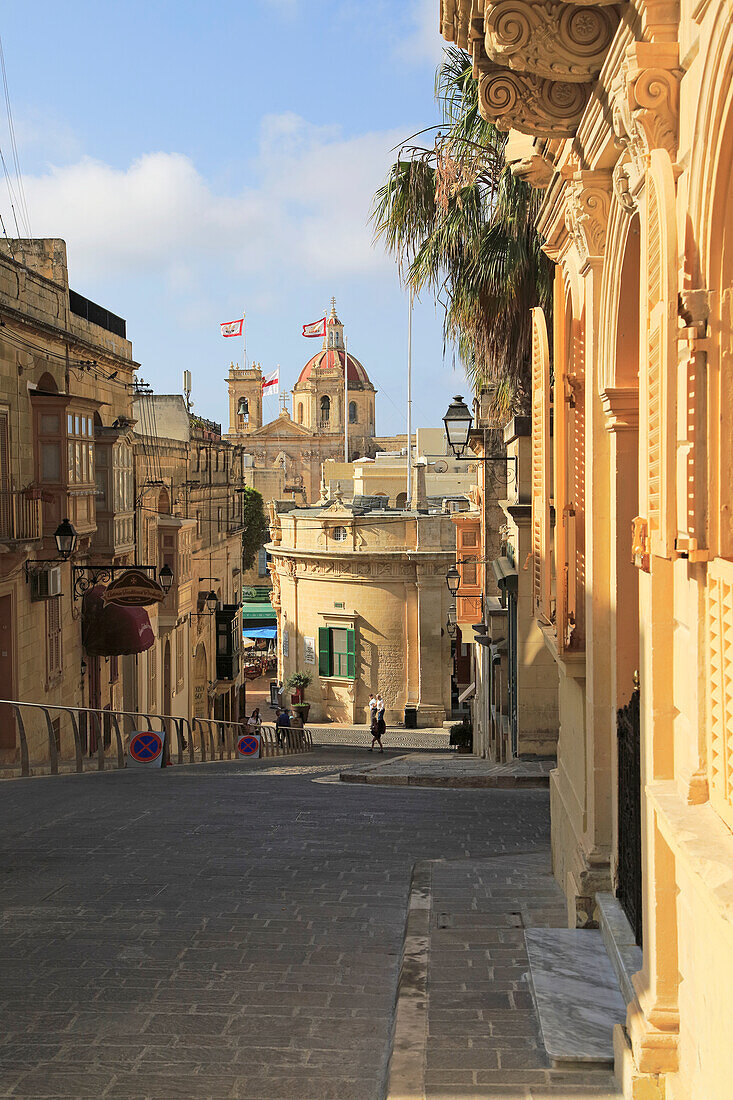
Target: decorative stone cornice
x=558 y=41
x=587 y=203
x=529 y=103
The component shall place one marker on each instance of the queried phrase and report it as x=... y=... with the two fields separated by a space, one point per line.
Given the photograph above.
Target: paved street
x=221 y=930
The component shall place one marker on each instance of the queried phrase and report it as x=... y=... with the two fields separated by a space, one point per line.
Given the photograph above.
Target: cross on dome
x=333 y=337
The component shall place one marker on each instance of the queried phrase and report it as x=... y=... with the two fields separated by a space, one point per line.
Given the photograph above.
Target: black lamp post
x=66 y=538
x=458 y=421
x=165 y=578
x=453 y=580
x=212 y=602
x=451 y=627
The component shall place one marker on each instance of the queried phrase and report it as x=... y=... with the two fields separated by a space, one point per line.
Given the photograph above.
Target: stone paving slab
x=450 y=769
x=465 y=1020
x=221 y=930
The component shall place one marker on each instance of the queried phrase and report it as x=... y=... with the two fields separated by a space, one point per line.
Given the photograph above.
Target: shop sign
x=310 y=650
x=133 y=589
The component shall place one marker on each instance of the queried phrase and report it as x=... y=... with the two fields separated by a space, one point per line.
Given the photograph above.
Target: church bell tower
x=245 y=399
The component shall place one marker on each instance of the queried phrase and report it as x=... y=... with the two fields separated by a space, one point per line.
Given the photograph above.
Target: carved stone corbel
x=554 y=40
x=529 y=103
x=646 y=105
x=587 y=203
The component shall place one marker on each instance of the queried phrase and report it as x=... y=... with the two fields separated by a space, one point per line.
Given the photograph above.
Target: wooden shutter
x=53 y=637
x=660 y=265
x=541 y=464
x=324 y=651
x=351 y=654
x=720 y=681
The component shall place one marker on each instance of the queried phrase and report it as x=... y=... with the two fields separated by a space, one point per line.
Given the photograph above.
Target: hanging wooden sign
x=133 y=589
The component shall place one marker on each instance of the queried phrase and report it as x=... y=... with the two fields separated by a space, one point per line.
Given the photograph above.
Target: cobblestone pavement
x=394 y=738
x=219 y=930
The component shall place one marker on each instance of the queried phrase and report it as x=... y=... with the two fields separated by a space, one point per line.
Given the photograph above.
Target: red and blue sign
x=248 y=746
x=146 y=748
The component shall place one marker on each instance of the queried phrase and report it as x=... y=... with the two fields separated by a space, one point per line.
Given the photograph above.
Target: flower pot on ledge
x=302 y=710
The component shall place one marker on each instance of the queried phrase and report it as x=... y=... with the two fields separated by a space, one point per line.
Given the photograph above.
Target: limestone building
x=361 y=604
x=622 y=115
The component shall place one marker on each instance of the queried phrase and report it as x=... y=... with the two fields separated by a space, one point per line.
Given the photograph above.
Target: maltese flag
x=271 y=382
x=232 y=328
x=315 y=328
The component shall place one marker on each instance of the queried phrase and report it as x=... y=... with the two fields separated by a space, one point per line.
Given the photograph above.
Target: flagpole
x=409 y=404
x=244 y=341
x=346 y=399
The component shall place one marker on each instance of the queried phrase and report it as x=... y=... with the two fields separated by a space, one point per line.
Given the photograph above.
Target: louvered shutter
x=324 y=651
x=541 y=465
x=660 y=373
x=351 y=654
x=720 y=686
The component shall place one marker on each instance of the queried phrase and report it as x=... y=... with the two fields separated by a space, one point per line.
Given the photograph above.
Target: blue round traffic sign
x=248 y=745
x=145 y=747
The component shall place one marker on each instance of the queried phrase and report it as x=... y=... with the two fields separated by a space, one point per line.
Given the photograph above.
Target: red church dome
x=330 y=359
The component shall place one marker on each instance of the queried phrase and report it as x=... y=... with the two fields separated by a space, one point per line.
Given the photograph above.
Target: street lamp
x=165 y=578
x=66 y=539
x=453 y=580
x=458 y=421
x=451 y=627
x=212 y=602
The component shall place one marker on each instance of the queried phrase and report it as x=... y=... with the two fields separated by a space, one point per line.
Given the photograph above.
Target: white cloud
x=305 y=207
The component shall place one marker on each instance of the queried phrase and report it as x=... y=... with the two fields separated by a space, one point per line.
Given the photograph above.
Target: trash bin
x=410 y=718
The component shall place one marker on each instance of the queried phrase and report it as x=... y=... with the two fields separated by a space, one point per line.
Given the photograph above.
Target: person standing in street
x=282 y=723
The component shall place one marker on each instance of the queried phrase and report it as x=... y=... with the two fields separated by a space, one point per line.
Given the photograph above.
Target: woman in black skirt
x=377 y=729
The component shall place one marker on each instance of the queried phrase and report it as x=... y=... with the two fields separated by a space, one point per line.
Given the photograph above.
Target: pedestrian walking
x=254 y=722
x=380 y=706
x=372 y=706
x=377 y=729
x=282 y=723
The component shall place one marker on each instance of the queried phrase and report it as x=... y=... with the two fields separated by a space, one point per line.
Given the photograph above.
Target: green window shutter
x=351 y=654
x=324 y=651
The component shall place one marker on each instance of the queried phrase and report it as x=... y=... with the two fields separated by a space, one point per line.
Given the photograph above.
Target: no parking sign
x=145 y=749
x=248 y=746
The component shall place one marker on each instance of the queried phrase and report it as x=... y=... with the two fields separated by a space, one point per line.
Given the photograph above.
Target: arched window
x=300 y=412
x=401 y=500
x=164 y=502
x=352 y=412
x=325 y=409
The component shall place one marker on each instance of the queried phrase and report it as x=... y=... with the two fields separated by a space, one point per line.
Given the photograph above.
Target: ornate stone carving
x=530 y=104
x=586 y=211
x=553 y=40
x=534 y=170
x=645 y=106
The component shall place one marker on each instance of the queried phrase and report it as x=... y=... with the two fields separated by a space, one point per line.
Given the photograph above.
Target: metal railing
x=191 y=737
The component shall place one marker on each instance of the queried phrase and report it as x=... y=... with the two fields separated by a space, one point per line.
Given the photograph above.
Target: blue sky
x=204 y=158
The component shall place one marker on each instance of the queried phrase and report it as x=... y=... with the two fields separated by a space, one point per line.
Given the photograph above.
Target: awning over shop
x=110 y=630
x=259 y=632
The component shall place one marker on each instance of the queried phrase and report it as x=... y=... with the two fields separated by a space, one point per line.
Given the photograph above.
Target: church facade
x=300 y=443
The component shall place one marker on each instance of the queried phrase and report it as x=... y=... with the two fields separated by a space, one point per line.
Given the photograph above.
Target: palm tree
x=461 y=224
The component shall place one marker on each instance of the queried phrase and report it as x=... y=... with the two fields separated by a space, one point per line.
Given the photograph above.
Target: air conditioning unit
x=46 y=583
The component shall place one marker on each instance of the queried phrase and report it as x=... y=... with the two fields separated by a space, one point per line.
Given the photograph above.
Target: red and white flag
x=315 y=328
x=271 y=382
x=232 y=328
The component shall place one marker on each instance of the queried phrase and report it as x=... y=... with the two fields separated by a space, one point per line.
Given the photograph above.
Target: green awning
x=263 y=610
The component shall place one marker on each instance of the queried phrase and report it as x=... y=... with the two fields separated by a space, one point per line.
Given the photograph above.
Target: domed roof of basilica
x=330 y=358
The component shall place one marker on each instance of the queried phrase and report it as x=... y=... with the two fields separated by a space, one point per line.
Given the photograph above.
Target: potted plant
x=297 y=683
x=302 y=710
x=461 y=736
